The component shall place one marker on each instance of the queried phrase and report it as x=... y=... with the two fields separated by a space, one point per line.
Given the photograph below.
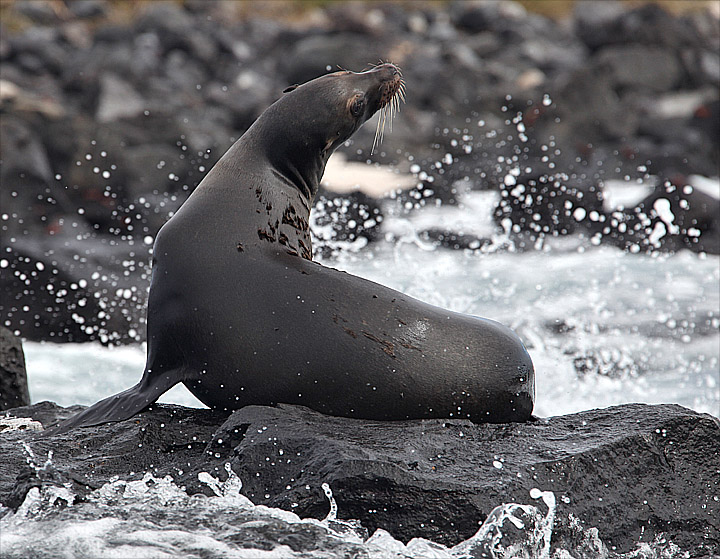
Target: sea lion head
x=343 y=101
x=362 y=95
x=300 y=131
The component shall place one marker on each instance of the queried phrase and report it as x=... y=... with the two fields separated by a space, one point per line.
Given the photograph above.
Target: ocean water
x=602 y=326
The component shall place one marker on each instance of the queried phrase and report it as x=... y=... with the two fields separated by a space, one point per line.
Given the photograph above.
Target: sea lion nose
x=390 y=68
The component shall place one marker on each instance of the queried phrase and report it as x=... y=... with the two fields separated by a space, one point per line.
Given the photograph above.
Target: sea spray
x=154 y=517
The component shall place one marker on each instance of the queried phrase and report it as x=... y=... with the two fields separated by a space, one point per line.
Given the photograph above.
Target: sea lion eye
x=357 y=107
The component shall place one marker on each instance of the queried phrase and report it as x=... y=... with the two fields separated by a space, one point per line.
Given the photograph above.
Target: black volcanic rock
x=631 y=471
x=349 y=216
x=13 y=377
x=669 y=219
x=543 y=203
x=75 y=287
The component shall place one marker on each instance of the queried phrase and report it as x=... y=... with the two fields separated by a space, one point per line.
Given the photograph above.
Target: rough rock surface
x=632 y=471
x=13 y=377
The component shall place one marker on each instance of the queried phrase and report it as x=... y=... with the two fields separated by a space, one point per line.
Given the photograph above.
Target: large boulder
x=631 y=471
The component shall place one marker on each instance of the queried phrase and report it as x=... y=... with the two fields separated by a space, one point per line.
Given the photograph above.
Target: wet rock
x=40 y=49
x=352 y=17
x=640 y=66
x=669 y=219
x=590 y=110
x=674 y=146
x=606 y=23
x=184 y=74
x=5 y=48
x=705 y=117
x=477 y=16
x=456 y=241
x=709 y=66
x=37 y=11
x=88 y=9
x=24 y=154
x=118 y=99
x=153 y=167
x=554 y=54
x=244 y=95
x=473 y=17
x=205 y=130
x=191 y=428
x=74 y=287
x=632 y=471
x=598 y=23
x=543 y=203
x=109 y=32
x=170 y=21
x=30 y=97
x=340 y=220
x=29 y=191
x=318 y=54
x=78 y=34
x=13 y=378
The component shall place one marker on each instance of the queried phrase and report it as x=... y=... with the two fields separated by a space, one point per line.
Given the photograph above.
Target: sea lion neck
x=295 y=164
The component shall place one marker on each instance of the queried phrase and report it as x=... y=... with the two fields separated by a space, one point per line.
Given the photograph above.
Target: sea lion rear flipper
x=121 y=406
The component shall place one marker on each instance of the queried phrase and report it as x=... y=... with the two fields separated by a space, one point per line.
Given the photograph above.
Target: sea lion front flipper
x=123 y=405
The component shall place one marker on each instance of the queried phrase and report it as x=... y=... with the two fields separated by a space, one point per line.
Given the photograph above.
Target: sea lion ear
x=291 y=88
x=330 y=142
x=328 y=145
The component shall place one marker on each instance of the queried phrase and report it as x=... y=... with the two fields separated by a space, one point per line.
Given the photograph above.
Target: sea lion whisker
x=394 y=94
x=401 y=90
x=383 y=118
x=375 y=138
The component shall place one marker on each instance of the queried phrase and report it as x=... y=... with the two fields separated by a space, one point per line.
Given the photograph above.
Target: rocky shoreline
x=637 y=473
x=108 y=124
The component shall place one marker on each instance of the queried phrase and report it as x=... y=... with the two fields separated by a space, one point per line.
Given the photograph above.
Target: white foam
x=618 y=195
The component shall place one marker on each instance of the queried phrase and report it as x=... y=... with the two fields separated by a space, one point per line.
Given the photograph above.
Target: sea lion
x=241 y=315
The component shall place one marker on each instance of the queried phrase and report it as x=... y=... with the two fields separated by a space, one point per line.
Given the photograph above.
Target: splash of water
x=229 y=489
x=154 y=517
